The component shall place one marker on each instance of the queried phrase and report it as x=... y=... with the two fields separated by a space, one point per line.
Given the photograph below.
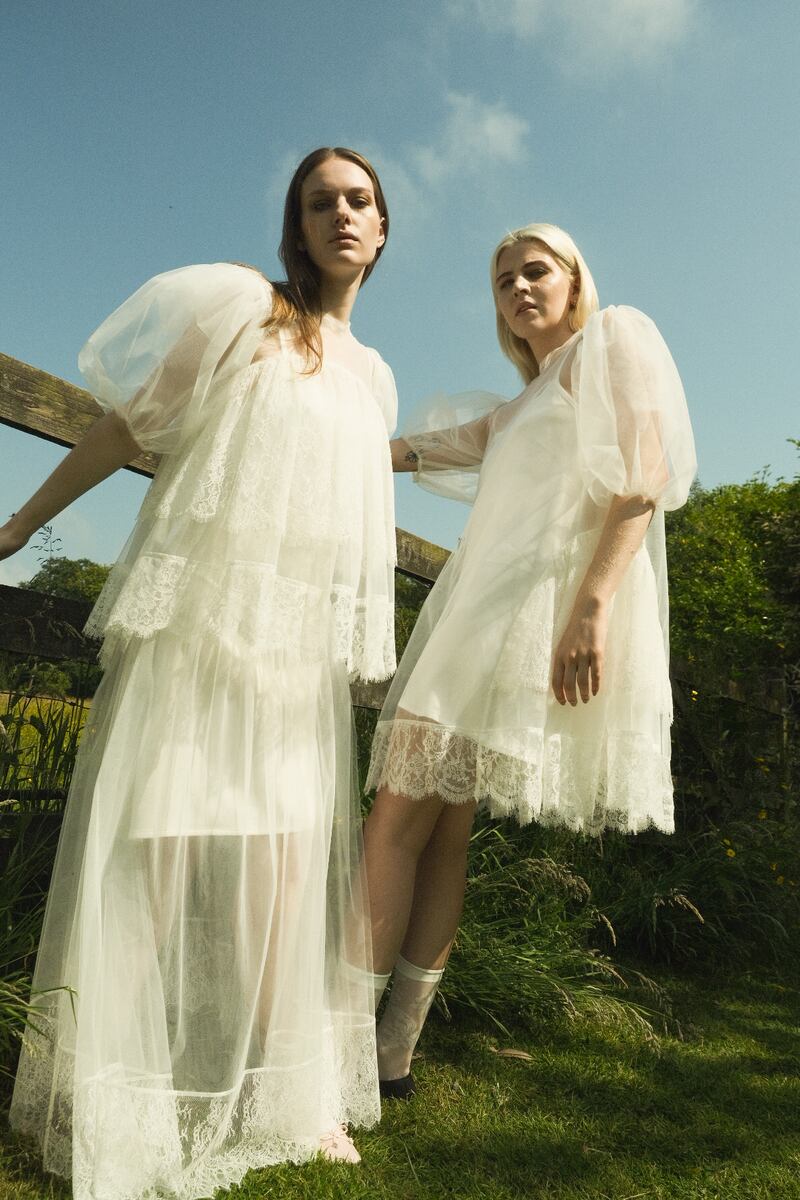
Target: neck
x=543 y=344
x=337 y=296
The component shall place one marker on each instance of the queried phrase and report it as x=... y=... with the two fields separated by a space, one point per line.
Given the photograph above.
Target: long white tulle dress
x=470 y=714
x=207 y=905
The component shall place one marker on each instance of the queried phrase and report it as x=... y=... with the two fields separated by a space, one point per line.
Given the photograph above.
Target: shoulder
x=382 y=376
x=622 y=333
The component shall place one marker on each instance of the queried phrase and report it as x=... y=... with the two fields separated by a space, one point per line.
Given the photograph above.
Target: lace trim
x=620 y=782
x=249 y=610
x=135 y=1139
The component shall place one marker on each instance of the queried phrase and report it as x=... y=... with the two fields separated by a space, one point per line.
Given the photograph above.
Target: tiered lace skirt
x=205 y=914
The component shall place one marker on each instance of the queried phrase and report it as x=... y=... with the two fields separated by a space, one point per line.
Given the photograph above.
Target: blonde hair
x=564 y=250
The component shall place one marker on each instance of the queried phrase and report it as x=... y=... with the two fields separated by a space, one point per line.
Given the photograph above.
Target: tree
x=73 y=578
x=734 y=571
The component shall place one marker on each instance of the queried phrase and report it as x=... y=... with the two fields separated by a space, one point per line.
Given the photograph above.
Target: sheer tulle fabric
x=279 y=503
x=606 y=416
x=207 y=907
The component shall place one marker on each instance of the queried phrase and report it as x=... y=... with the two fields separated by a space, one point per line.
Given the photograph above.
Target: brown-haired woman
x=206 y=907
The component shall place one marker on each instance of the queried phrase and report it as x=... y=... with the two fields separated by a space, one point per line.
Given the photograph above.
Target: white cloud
x=475 y=135
x=474 y=139
x=621 y=31
x=603 y=35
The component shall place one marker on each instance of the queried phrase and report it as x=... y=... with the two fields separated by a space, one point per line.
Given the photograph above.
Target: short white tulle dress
x=470 y=715
x=207 y=907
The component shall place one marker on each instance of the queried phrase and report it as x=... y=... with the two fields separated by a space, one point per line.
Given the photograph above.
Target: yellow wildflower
x=779 y=879
x=762 y=814
x=726 y=841
x=731 y=853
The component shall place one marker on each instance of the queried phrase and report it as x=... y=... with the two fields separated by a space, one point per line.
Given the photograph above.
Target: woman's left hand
x=578 y=662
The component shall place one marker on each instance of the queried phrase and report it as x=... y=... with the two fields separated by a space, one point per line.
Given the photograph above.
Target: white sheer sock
x=377 y=982
x=410 y=999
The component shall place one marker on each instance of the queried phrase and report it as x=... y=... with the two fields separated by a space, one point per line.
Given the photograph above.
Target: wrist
x=591 y=604
x=404 y=458
x=20 y=529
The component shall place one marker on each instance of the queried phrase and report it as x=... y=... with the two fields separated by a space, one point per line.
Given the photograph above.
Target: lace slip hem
x=127 y=1141
x=621 y=782
x=248 y=609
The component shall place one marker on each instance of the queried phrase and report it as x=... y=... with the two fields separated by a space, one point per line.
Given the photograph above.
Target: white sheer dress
x=206 y=907
x=470 y=714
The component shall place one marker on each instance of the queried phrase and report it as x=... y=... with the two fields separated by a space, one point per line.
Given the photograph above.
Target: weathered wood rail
x=49 y=627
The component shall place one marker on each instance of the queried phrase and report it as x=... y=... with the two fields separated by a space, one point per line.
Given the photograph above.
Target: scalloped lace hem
x=124 y=1139
x=621 y=782
x=249 y=610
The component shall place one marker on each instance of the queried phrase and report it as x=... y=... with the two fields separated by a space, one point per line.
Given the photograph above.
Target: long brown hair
x=297 y=299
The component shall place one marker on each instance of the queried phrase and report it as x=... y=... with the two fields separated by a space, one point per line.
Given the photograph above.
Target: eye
x=362 y=201
x=319 y=205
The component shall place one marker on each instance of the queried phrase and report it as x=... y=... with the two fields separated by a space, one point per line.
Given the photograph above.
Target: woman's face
x=341 y=226
x=534 y=293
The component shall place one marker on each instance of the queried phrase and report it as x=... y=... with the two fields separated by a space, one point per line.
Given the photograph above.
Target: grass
x=582 y=1113
x=39 y=737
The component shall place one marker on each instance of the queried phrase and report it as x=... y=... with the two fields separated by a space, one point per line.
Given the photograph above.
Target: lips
x=345 y=237
x=526 y=308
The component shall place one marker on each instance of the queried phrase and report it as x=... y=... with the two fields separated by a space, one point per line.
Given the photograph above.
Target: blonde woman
x=207 y=908
x=536 y=680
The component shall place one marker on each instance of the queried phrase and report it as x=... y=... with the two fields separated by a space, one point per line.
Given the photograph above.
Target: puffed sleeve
x=161 y=355
x=634 y=433
x=449 y=435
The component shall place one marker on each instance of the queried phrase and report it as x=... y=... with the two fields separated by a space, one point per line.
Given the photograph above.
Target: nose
x=520 y=285
x=342 y=211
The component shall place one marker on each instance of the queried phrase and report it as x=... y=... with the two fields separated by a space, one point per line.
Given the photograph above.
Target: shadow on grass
x=590 y=1115
x=592 y=1112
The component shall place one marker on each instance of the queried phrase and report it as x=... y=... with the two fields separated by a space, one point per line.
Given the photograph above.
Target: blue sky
x=660 y=133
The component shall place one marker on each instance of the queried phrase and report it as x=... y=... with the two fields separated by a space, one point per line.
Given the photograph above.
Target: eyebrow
x=532 y=262
x=333 y=191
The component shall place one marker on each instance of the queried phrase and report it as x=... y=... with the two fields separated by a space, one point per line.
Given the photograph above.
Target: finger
x=582 y=680
x=569 y=682
x=558 y=680
x=597 y=673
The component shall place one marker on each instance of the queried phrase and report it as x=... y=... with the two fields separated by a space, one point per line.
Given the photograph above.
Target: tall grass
x=39 y=737
x=27 y=845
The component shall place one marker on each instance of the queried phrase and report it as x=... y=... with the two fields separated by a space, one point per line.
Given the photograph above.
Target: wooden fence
x=34 y=624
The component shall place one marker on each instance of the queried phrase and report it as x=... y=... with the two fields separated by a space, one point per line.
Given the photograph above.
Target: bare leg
x=439 y=889
x=395 y=835
x=434 y=907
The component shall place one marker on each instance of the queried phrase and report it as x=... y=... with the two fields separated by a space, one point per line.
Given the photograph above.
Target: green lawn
x=589 y=1116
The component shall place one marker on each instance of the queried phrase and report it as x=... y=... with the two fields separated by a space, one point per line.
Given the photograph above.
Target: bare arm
x=443 y=449
x=578 y=662
x=403 y=457
x=107 y=446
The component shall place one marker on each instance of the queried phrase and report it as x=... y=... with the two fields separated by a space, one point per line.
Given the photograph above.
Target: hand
x=11 y=539
x=578 y=663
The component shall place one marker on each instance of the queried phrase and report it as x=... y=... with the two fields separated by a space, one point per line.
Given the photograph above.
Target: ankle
x=410 y=999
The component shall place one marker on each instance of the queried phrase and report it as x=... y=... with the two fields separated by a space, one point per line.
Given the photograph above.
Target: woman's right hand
x=11 y=539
